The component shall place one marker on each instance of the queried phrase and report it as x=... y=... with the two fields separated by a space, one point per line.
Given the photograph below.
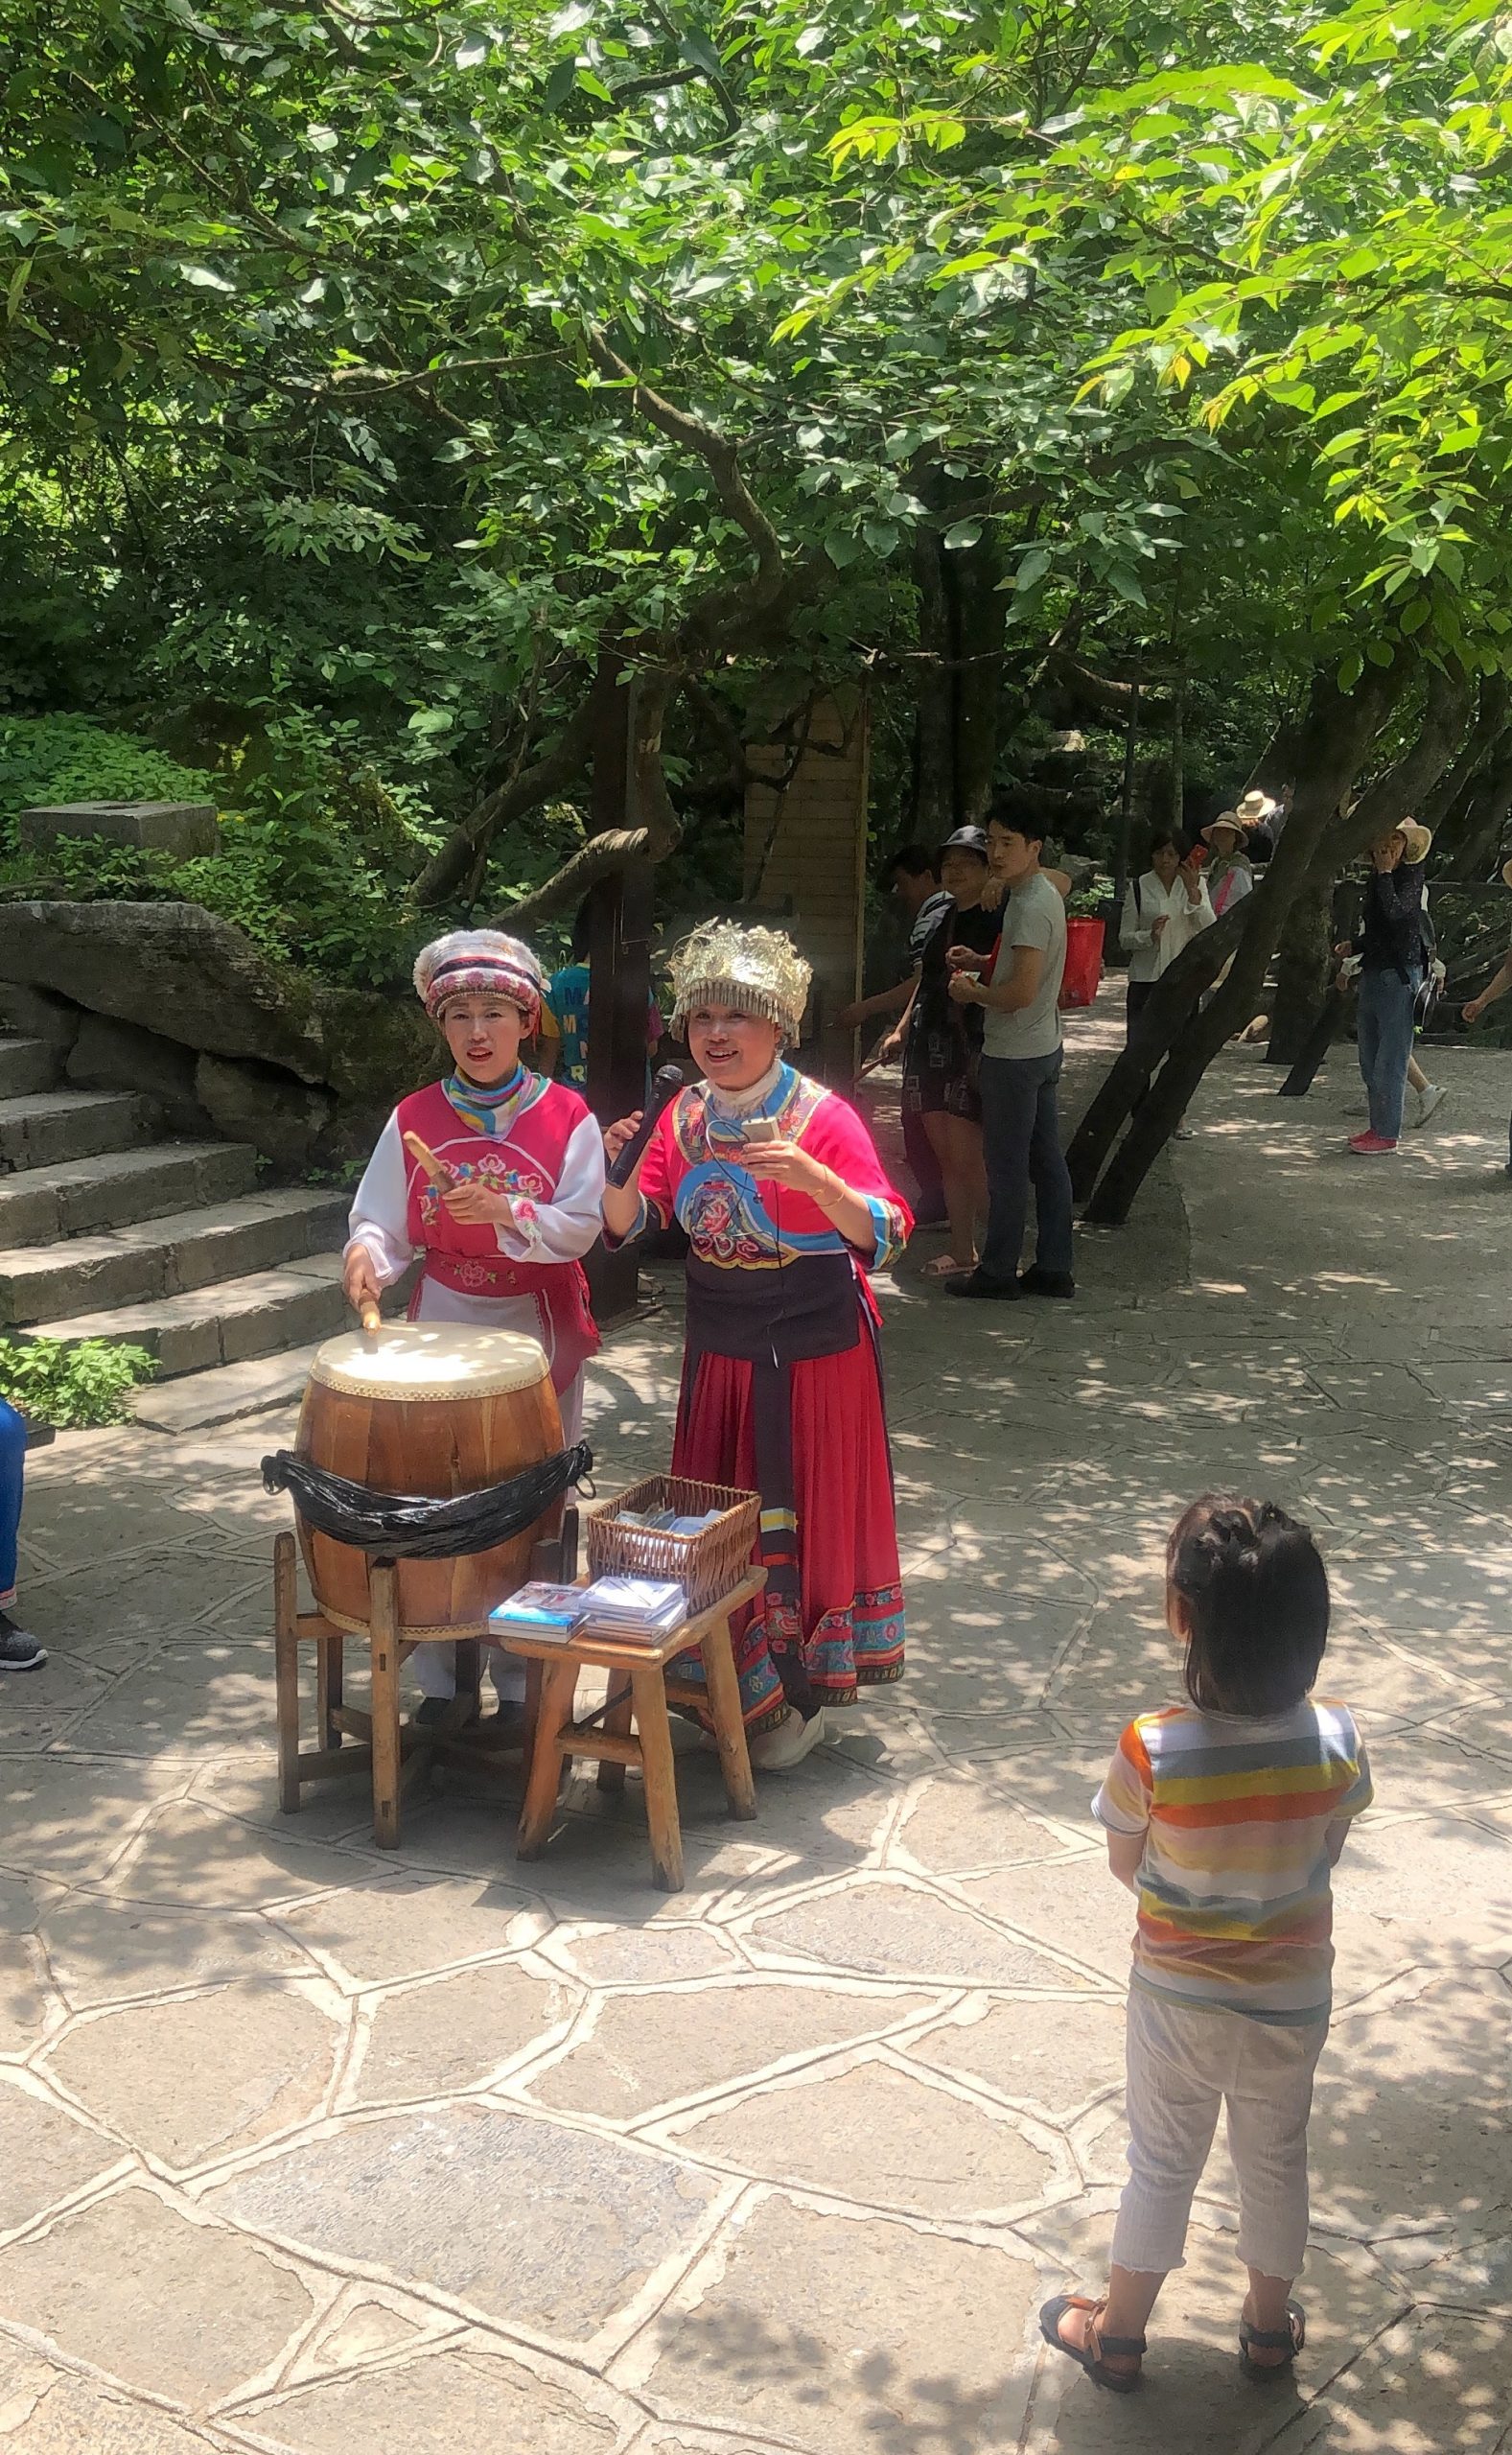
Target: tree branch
x=552 y=773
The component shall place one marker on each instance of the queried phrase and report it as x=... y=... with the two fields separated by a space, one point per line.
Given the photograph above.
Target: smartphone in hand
x=761 y=1129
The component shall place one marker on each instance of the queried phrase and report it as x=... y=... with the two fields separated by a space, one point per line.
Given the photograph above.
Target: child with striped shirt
x=1224 y=1816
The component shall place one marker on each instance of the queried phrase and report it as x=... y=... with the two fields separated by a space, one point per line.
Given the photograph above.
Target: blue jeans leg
x=1051 y=1178
x=1007 y=1127
x=1021 y=1147
x=13 y=1472
x=1386 y=1044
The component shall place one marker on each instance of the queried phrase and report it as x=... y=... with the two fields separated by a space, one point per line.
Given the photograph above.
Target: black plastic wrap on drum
x=404 y=1525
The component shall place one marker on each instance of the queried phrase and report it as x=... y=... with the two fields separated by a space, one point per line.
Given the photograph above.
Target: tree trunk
x=980 y=627
x=1485 y=737
x=1304 y=968
x=962 y=619
x=1470 y=840
x=1336 y=732
x=1313 y=845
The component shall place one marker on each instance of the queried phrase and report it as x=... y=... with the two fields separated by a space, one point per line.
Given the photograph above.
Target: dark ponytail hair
x=1256 y=1598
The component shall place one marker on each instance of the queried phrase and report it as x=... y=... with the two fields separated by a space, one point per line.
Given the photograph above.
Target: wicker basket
x=705 y=1565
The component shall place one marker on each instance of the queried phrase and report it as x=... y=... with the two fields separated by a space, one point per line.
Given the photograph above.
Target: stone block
x=284 y=1118
x=881 y=2139
x=110 y=1056
x=536 y=2225
x=199 y=2076
x=45 y=2155
x=460 y=2397
x=851 y=2336
x=652 y=2050
x=188 y=830
x=134 y=2289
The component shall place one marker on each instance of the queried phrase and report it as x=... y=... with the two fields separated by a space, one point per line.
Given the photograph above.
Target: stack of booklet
x=541 y=1610
x=639 y=1610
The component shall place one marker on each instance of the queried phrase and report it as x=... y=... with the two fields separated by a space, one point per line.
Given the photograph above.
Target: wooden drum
x=438 y=1409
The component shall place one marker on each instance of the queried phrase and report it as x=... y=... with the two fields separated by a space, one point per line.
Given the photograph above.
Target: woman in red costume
x=500 y=1245
x=788 y=1210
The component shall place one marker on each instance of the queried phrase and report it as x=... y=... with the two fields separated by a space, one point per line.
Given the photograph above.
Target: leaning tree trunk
x=1334 y=736
x=1470 y=840
x=1304 y=965
x=1313 y=846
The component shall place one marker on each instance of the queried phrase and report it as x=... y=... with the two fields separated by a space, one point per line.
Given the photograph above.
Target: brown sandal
x=1093 y=2357
x=1287 y=2341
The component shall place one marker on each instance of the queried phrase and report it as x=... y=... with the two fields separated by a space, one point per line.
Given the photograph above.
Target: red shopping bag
x=1084 y=969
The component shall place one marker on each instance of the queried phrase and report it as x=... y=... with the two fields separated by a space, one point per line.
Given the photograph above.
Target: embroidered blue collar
x=486 y=1111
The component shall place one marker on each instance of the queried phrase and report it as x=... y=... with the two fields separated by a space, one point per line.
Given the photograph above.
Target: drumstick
x=439 y=1174
x=372 y=1319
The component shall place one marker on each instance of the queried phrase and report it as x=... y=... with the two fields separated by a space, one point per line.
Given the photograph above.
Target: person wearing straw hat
x=788 y=1212
x=1230 y=878
x=501 y=1229
x=1496 y=987
x=1393 y=967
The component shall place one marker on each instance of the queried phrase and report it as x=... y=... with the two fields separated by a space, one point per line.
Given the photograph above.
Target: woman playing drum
x=501 y=1225
x=786 y=1207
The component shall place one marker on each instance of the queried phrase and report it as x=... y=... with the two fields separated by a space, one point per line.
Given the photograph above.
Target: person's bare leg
x=1131 y=2296
x=960 y=1199
x=1265 y=2309
x=1416 y=1076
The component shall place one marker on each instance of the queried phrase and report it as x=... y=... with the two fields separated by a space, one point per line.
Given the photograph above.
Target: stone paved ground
x=302 y=2148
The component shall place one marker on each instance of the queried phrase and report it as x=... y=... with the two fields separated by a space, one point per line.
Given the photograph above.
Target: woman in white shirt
x=1162 y=912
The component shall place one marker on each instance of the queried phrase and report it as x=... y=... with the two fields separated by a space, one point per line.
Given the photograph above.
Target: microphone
x=665 y=1085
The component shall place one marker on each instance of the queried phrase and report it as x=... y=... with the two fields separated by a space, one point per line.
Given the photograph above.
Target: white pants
x=434 y=1666
x=1182 y=2064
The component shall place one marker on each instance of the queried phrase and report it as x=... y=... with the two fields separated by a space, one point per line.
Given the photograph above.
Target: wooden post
x=383 y=1643
x=285 y=1669
x=619 y=971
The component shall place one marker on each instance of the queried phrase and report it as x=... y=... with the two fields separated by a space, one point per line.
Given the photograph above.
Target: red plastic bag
x=1084 y=962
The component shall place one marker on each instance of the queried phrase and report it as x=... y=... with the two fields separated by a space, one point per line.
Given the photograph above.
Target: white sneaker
x=1431 y=1098
x=777 y=1751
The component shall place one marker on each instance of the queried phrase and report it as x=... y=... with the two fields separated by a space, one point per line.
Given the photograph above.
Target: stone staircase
x=109 y=1231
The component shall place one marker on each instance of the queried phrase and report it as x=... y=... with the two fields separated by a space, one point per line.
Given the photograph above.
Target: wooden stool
x=398 y=1754
x=639 y=1692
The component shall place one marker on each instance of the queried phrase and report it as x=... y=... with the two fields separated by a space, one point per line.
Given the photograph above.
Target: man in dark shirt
x=912 y=878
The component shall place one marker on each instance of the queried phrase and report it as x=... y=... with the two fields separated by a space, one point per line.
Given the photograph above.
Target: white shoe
x=1430 y=1099
x=777 y=1751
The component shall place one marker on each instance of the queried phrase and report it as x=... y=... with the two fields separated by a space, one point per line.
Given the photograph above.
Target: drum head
x=429 y=1360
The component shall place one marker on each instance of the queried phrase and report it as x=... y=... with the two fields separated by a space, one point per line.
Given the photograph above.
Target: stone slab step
x=169 y=1256
x=226 y=1324
x=41 y=1128
x=200 y=1400
x=119 y=1188
x=27 y=1066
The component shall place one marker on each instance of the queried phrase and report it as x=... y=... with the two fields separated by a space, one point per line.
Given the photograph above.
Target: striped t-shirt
x=1234 y=1905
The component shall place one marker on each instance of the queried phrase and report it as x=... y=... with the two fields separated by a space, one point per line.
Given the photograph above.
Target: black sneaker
x=1036 y=1281
x=17 y=1650
x=1001 y=1291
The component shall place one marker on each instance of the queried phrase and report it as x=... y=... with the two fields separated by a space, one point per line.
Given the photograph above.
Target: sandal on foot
x=1093 y=2357
x=1287 y=2341
x=945 y=1266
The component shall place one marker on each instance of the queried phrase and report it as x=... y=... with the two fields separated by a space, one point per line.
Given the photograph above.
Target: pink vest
x=524 y=1163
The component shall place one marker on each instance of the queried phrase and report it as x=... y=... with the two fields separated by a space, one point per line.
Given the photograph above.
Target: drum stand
x=398 y=1755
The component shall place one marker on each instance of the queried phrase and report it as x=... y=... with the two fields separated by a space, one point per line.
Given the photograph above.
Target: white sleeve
x=1134 y=932
x=563 y=1228
x=381 y=1208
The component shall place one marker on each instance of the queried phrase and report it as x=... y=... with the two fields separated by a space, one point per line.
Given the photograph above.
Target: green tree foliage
x=409 y=373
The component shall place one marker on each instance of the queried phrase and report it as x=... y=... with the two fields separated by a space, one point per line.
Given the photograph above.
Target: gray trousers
x=1021 y=1147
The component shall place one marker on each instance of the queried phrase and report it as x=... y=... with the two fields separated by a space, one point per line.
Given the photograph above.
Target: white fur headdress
x=481 y=962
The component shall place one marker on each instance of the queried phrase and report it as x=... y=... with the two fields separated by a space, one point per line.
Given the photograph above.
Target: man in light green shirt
x=1021 y=1059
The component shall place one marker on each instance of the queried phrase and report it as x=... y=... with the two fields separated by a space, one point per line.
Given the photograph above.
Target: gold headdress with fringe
x=756 y=972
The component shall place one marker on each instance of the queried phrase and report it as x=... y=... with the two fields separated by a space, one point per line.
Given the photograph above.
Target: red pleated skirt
x=849 y=1631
